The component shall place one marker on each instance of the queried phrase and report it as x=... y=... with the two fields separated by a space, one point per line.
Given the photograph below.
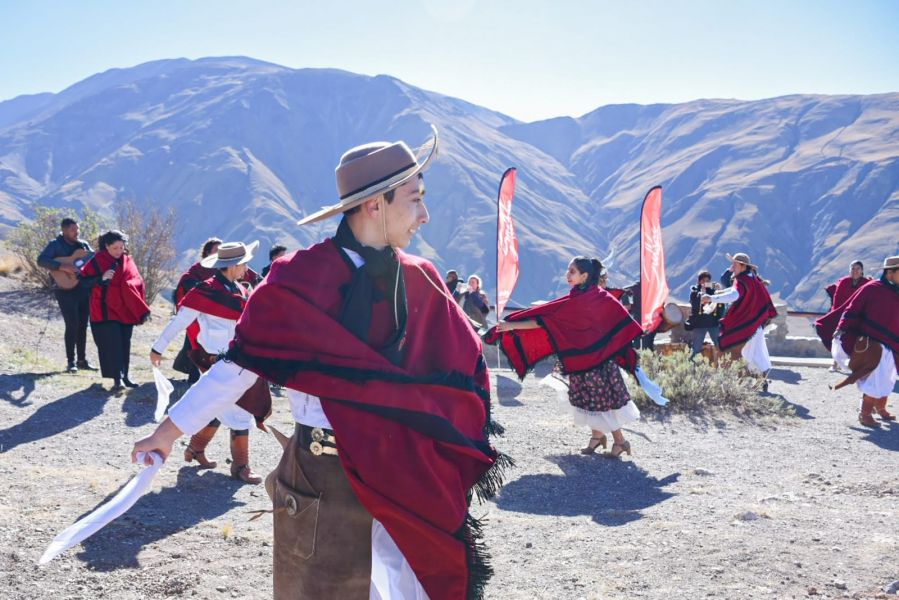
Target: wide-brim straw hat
x=372 y=169
x=230 y=254
x=742 y=258
x=891 y=262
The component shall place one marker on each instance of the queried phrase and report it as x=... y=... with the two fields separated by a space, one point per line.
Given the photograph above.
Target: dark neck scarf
x=378 y=279
x=888 y=283
x=229 y=285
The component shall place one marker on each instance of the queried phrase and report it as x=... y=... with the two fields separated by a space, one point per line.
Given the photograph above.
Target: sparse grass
x=24 y=358
x=695 y=384
x=227 y=530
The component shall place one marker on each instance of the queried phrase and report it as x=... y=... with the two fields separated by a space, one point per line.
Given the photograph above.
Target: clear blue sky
x=530 y=59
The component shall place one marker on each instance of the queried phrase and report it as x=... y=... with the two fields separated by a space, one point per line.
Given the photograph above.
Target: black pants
x=184 y=364
x=75 y=308
x=113 y=341
x=645 y=342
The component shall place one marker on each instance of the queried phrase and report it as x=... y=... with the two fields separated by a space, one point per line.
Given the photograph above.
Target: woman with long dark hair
x=590 y=332
x=118 y=303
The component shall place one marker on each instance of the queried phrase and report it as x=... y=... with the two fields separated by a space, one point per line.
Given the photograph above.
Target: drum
x=672 y=316
x=666 y=348
x=710 y=353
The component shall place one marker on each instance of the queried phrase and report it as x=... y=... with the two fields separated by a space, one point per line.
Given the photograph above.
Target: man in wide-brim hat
x=866 y=332
x=389 y=390
x=209 y=312
x=741 y=332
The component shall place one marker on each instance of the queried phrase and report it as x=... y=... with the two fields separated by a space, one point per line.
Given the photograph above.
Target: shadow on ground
x=887 y=437
x=785 y=375
x=507 y=390
x=140 y=403
x=611 y=492
x=33 y=302
x=11 y=384
x=196 y=497
x=52 y=419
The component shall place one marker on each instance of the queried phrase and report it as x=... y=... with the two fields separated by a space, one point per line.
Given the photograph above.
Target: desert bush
x=10 y=264
x=151 y=243
x=691 y=384
x=29 y=238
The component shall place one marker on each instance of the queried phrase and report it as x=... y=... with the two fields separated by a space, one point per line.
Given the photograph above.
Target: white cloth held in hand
x=98 y=519
x=652 y=389
x=164 y=389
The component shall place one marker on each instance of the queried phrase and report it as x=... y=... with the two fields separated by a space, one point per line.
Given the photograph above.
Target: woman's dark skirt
x=113 y=341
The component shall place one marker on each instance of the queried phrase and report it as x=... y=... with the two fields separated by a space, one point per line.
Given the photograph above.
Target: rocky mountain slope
x=242 y=148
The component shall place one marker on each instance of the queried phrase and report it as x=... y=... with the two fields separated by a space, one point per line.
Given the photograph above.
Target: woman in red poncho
x=117 y=304
x=591 y=333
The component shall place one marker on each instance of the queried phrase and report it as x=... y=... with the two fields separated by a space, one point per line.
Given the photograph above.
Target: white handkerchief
x=651 y=388
x=164 y=388
x=98 y=519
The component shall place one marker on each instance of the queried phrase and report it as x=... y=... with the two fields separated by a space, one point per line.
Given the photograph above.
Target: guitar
x=68 y=281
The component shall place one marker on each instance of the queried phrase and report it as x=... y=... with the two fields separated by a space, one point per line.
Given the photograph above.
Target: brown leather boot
x=881 y=405
x=240 y=457
x=864 y=415
x=196 y=448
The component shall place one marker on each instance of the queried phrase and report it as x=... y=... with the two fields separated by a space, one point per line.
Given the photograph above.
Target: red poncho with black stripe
x=411 y=436
x=583 y=329
x=747 y=314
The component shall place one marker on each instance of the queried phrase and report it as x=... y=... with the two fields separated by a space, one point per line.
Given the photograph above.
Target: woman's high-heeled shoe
x=619 y=449
x=595 y=442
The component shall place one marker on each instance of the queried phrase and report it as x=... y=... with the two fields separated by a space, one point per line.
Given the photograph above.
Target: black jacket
x=697 y=317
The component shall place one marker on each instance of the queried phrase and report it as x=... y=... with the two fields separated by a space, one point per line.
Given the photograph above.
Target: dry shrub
x=30 y=238
x=694 y=384
x=10 y=264
x=151 y=242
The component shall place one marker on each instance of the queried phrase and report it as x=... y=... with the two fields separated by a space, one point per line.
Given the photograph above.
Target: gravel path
x=718 y=505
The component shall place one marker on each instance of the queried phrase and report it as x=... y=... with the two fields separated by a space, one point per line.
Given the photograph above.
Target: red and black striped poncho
x=747 y=314
x=412 y=437
x=583 y=329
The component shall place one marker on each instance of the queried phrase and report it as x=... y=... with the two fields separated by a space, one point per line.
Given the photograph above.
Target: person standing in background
x=474 y=301
x=74 y=302
x=702 y=321
x=452 y=283
x=844 y=288
x=117 y=304
x=274 y=254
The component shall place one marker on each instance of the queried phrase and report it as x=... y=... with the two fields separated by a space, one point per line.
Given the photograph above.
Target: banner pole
x=499 y=317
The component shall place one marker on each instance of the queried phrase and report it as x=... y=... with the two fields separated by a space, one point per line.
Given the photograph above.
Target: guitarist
x=73 y=303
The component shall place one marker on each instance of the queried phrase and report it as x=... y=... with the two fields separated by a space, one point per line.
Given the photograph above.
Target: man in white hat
x=209 y=312
x=866 y=329
x=390 y=393
x=742 y=332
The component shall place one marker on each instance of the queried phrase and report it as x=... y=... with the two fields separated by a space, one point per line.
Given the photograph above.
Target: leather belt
x=317 y=440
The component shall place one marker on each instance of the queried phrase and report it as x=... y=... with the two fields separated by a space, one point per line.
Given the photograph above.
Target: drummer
x=704 y=314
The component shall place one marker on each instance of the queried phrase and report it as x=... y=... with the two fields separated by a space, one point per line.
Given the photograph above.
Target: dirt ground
x=710 y=505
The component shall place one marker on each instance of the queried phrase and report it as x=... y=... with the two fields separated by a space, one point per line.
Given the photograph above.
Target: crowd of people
x=373 y=346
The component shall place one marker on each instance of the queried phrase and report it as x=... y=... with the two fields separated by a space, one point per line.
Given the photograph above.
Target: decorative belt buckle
x=316 y=448
x=318 y=434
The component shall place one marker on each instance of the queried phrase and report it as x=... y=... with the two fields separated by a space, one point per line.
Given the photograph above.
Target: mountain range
x=243 y=148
